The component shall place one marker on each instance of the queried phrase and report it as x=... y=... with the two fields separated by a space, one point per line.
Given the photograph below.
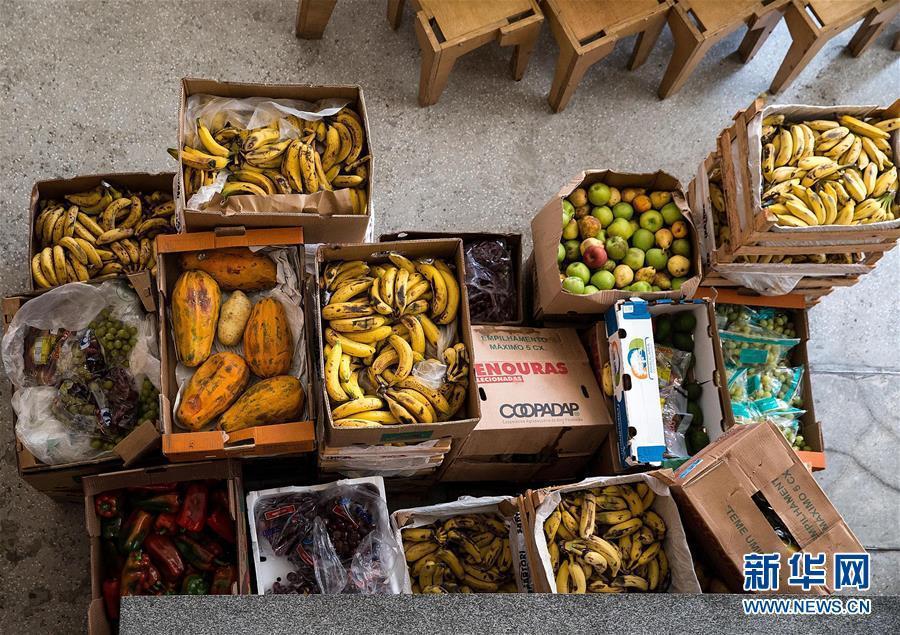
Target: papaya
x=212 y=389
x=268 y=343
x=195 y=303
x=275 y=400
x=234 y=268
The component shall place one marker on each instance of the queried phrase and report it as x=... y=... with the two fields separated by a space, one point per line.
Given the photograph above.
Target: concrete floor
x=93 y=87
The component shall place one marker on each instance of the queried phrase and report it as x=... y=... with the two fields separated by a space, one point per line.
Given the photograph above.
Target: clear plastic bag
x=490 y=281
x=93 y=347
x=755 y=346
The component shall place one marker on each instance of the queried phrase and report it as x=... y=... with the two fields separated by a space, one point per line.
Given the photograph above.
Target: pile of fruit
x=288 y=156
x=626 y=239
x=218 y=389
x=382 y=323
x=723 y=234
x=828 y=171
x=165 y=539
x=607 y=540
x=98 y=234
x=761 y=384
x=463 y=554
x=673 y=337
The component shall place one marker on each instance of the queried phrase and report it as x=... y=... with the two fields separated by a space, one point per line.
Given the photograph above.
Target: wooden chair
x=312 y=18
x=812 y=23
x=448 y=29
x=699 y=24
x=587 y=31
x=896 y=46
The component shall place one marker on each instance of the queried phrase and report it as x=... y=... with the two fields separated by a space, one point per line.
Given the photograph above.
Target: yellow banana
x=655 y=522
x=854 y=184
x=332 y=147
x=438 y=285
x=345 y=141
x=816 y=205
x=822 y=125
x=212 y=146
x=845 y=213
x=405 y=356
x=85 y=199
x=841 y=147
x=862 y=128
x=38 y=273
x=308 y=168
x=852 y=155
x=261 y=137
x=346 y=310
x=356 y=406
x=256 y=178
x=290 y=166
x=372 y=336
x=786 y=149
x=232 y=188
x=332 y=380
x=887 y=181
x=356 y=133
x=358 y=324
x=798 y=140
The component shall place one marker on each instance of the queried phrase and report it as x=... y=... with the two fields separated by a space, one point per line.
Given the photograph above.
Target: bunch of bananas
x=607 y=540
x=464 y=554
x=382 y=319
x=723 y=234
x=98 y=234
x=310 y=156
x=829 y=172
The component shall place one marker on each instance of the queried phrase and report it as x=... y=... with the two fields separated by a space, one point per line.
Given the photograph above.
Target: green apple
x=610 y=265
x=651 y=220
x=603 y=214
x=677 y=282
x=641 y=286
x=589 y=289
x=560 y=253
x=657 y=258
x=573 y=285
x=603 y=279
x=681 y=247
x=616 y=247
x=621 y=228
x=578 y=270
x=568 y=212
x=623 y=210
x=624 y=275
x=570 y=231
x=643 y=239
x=670 y=213
x=634 y=258
x=598 y=194
x=572 y=248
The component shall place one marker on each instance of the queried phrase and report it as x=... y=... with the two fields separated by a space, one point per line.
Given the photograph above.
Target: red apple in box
x=595 y=256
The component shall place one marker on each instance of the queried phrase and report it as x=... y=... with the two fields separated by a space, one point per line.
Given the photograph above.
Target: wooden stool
x=587 y=31
x=812 y=23
x=896 y=45
x=312 y=18
x=698 y=24
x=448 y=29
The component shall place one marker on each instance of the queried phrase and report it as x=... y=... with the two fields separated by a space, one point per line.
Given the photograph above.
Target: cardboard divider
x=551 y=302
x=810 y=427
x=145 y=182
x=458 y=429
x=513 y=241
x=179 y=445
x=718 y=495
x=324 y=215
x=542 y=412
x=229 y=471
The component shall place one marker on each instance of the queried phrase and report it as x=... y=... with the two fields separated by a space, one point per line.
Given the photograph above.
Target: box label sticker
x=753 y=356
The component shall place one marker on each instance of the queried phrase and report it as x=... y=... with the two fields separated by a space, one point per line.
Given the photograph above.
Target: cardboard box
x=507 y=507
x=810 y=427
x=229 y=471
x=270 y=567
x=270 y=440
x=63 y=481
x=323 y=217
x=458 y=429
x=136 y=181
x=539 y=403
x=406 y=461
x=715 y=493
x=513 y=241
x=550 y=301
x=539 y=504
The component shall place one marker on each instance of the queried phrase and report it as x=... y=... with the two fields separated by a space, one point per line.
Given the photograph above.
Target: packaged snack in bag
x=489 y=281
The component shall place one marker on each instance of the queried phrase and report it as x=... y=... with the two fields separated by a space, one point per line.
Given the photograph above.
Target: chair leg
x=645 y=42
x=437 y=63
x=807 y=42
x=570 y=68
x=896 y=45
x=312 y=18
x=689 y=50
x=522 y=52
x=868 y=32
x=759 y=31
x=394 y=13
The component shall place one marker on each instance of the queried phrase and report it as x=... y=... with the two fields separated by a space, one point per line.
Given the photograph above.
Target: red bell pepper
x=152 y=580
x=194 y=584
x=136 y=529
x=111 y=598
x=169 y=503
x=195 y=553
x=222 y=581
x=218 y=496
x=220 y=522
x=108 y=504
x=192 y=516
x=165 y=524
x=166 y=557
x=133 y=573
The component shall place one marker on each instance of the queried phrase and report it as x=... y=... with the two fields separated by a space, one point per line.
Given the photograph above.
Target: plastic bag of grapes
x=102 y=372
